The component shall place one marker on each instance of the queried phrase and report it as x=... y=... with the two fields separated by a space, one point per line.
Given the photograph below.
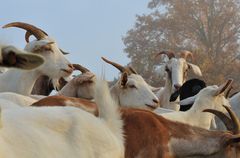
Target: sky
x=88 y=29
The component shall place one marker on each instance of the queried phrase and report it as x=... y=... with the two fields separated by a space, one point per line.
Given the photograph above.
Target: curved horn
x=80 y=68
x=185 y=54
x=228 y=91
x=222 y=88
x=235 y=120
x=31 y=30
x=63 y=52
x=27 y=35
x=223 y=117
x=118 y=66
x=132 y=70
x=170 y=54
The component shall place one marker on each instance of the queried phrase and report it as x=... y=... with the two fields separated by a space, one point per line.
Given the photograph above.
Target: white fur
x=138 y=97
x=205 y=99
x=60 y=132
x=178 y=67
x=130 y=97
x=18 y=99
x=22 y=81
x=82 y=86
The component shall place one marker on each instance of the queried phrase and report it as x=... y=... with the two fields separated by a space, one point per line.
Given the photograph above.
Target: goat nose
x=177 y=86
x=155 y=101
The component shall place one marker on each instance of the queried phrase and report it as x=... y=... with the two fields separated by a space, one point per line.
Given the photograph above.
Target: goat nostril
x=155 y=101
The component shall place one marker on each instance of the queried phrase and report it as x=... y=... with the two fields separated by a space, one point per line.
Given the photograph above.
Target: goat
x=211 y=97
x=44 y=85
x=55 y=65
x=130 y=90
x=150 y=135
x=63 y=131
x=176 y=74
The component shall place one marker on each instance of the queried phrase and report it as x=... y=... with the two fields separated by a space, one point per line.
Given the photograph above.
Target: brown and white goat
x=150 y=135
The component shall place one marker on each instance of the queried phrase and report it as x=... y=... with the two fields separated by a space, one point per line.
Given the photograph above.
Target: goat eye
x=132 y=86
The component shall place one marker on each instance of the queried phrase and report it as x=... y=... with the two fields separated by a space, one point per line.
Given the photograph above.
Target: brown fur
x=140 y=142
x=84 y=104
x=149 y=135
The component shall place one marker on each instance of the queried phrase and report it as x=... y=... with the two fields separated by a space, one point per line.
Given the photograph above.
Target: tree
x=208 y=28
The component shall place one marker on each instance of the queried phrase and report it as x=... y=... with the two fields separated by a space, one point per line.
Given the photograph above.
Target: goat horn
x=118 y=66
x=223 y=117
x=80 y=68
x=132 y=70
x=228 y=91
x=63 y=52
x=31 y=30
x=170 y=54
x=185 y=54
x=27 y=35
x=235 y=120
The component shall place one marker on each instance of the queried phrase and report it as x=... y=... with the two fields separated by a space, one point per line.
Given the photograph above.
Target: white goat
x=62 y=132
x=131 y=90
x=55 y=65
x=176 y=74
x=211 y=97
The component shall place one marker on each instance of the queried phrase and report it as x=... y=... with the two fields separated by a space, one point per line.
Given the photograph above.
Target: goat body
x=60 y=132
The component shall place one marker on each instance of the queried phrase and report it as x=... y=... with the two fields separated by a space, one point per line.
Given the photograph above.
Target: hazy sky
x=88 y=29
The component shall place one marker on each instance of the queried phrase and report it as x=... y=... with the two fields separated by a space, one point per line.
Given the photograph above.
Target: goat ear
x=12 y=57
x=154 y=89
x=174 y=96
x=124 y=79
x=223 y=87
x=196 y=70
x=84 y=78
x=187 y=101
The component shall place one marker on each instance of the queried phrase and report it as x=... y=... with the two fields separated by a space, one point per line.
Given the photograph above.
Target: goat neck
x=21 y=79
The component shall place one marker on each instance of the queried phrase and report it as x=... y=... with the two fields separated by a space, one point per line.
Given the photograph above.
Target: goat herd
x=86 y=119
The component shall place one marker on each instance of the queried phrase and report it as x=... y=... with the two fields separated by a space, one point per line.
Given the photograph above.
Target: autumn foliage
x=210 y=29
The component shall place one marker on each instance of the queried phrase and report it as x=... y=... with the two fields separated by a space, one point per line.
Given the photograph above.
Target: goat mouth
x=67 y=71
x=151 y=106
